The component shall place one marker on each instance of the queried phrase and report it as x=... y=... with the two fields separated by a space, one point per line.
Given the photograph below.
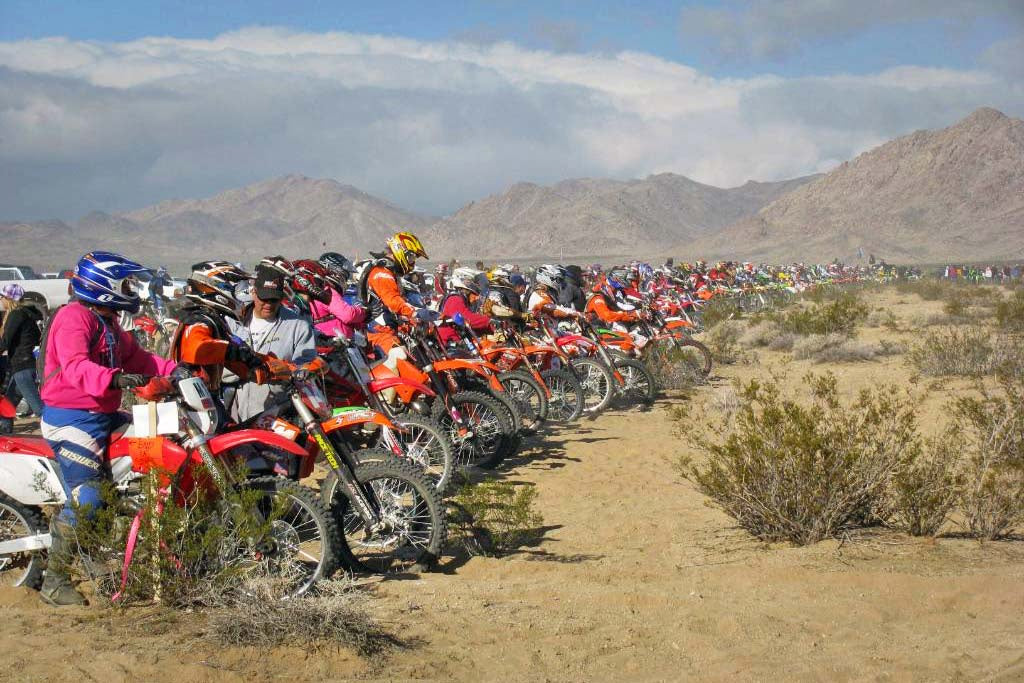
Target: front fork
x=364 y=508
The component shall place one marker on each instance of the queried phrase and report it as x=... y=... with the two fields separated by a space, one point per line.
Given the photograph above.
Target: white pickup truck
x=44 y=293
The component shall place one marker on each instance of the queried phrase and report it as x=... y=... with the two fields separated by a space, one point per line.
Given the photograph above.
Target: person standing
x=19 y=336
x=268 y=328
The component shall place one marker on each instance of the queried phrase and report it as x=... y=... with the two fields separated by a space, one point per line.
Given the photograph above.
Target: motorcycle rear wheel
x=18 y=521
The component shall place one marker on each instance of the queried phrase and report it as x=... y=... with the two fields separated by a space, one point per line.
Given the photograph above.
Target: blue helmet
x=107 y=279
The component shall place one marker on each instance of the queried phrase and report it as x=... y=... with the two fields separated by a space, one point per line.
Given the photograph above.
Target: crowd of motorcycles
x=394 y=439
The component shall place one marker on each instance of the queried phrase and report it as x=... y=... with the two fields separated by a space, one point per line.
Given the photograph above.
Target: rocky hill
x=291 y=215
x=931 y=196
x=595 y=217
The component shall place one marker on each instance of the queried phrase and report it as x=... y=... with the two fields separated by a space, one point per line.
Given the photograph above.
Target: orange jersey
x=544 y=303
x=597 y=306
x=384 y=284
x=197 y=345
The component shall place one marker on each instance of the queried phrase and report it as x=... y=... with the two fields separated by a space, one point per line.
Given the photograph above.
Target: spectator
x=19 y=336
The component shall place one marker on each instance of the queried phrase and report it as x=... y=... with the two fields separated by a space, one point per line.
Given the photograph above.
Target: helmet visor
x=244 y=292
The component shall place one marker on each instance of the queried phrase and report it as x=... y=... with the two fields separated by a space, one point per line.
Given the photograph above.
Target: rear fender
x=28 y=476
x=489 y=371
x=379 y=385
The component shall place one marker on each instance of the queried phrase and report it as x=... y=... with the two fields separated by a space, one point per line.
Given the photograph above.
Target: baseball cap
x=12 y=291
x=269 y=283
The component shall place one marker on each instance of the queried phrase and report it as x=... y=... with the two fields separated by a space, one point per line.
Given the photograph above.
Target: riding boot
x=57 y=589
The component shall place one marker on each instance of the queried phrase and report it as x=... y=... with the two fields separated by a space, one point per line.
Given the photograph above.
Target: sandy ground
x=637 y=578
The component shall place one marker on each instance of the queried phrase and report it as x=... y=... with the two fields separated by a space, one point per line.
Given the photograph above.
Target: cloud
x=776 y=29
x=428 y=125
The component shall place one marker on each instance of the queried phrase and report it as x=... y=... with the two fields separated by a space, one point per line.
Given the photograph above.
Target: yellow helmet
x=402 y=245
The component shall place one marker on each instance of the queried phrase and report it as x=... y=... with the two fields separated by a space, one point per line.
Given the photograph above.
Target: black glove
x=241 y=353
x=128 y=380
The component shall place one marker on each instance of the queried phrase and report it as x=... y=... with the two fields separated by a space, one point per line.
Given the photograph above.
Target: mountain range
x=931 y=196
x=952 y=194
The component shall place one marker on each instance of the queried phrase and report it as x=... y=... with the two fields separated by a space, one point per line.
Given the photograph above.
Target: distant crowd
x=983 y=274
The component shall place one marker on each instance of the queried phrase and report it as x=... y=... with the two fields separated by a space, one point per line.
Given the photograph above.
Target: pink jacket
x=456 y=303
x=341 y=316
x=76 y=375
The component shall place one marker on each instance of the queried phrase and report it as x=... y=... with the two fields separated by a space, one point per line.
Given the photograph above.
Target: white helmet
x=550 y=276
x=501 y=276
x=466 y=278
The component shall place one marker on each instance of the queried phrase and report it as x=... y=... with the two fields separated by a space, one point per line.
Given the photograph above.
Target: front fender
x=488 y=371
x=225 y=442
x=350 y=418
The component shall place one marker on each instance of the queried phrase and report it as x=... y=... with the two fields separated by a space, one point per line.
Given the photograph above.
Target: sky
x=111 y=105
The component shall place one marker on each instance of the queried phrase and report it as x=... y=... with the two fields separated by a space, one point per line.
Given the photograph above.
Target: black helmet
x=340 y=269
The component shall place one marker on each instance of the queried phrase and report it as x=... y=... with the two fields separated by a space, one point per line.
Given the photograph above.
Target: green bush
x=786 y=470
x=496 y=517
x=839 y=316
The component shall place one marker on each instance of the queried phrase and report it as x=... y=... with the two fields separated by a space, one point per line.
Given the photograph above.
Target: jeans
x=23 y=385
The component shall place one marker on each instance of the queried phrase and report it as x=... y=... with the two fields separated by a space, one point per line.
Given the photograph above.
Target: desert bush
x=840 y=316
x=881 y=318
x=968 y=352
x=1010 y=313
x=788 y=470
x=993 y=492
x=761 y=333
x=189 y=553
x=723 y=341
x=719 y=309
x=929 y=289
x=336 y=614
x=836 y=348
x=926 y=488
x=495 y=517
x=673 y=368
x=784 y=342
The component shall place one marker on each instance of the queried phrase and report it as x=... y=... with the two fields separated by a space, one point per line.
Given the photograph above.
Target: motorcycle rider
x=464 y=292
x=503 y=301
x=156 y=289
x=338 y=316
x=603 y=303
x=89 y=360
x=217 y=294
x=543 y=300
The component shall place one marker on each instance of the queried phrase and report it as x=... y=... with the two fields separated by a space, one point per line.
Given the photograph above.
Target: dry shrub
x=784 y=342
x=967 y=352
x=718 y=310
x=837 y=348
x=761 y=334
x=927 y=487
x=496 y=517
x=336 y=614
x=881 y=318
x=1010 y=313
x=993 y=493
x=723 y=341
x=786 y=470
x=928 y=289
x=673 y=368
x=840 y=316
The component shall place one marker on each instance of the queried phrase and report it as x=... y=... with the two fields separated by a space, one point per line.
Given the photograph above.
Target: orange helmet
x=404 y=248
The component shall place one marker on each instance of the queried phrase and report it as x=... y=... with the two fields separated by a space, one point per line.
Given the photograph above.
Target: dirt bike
x=349 y=384
x=516 y=372
x=390 y=515
x=660 y=335
x=297 y=540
